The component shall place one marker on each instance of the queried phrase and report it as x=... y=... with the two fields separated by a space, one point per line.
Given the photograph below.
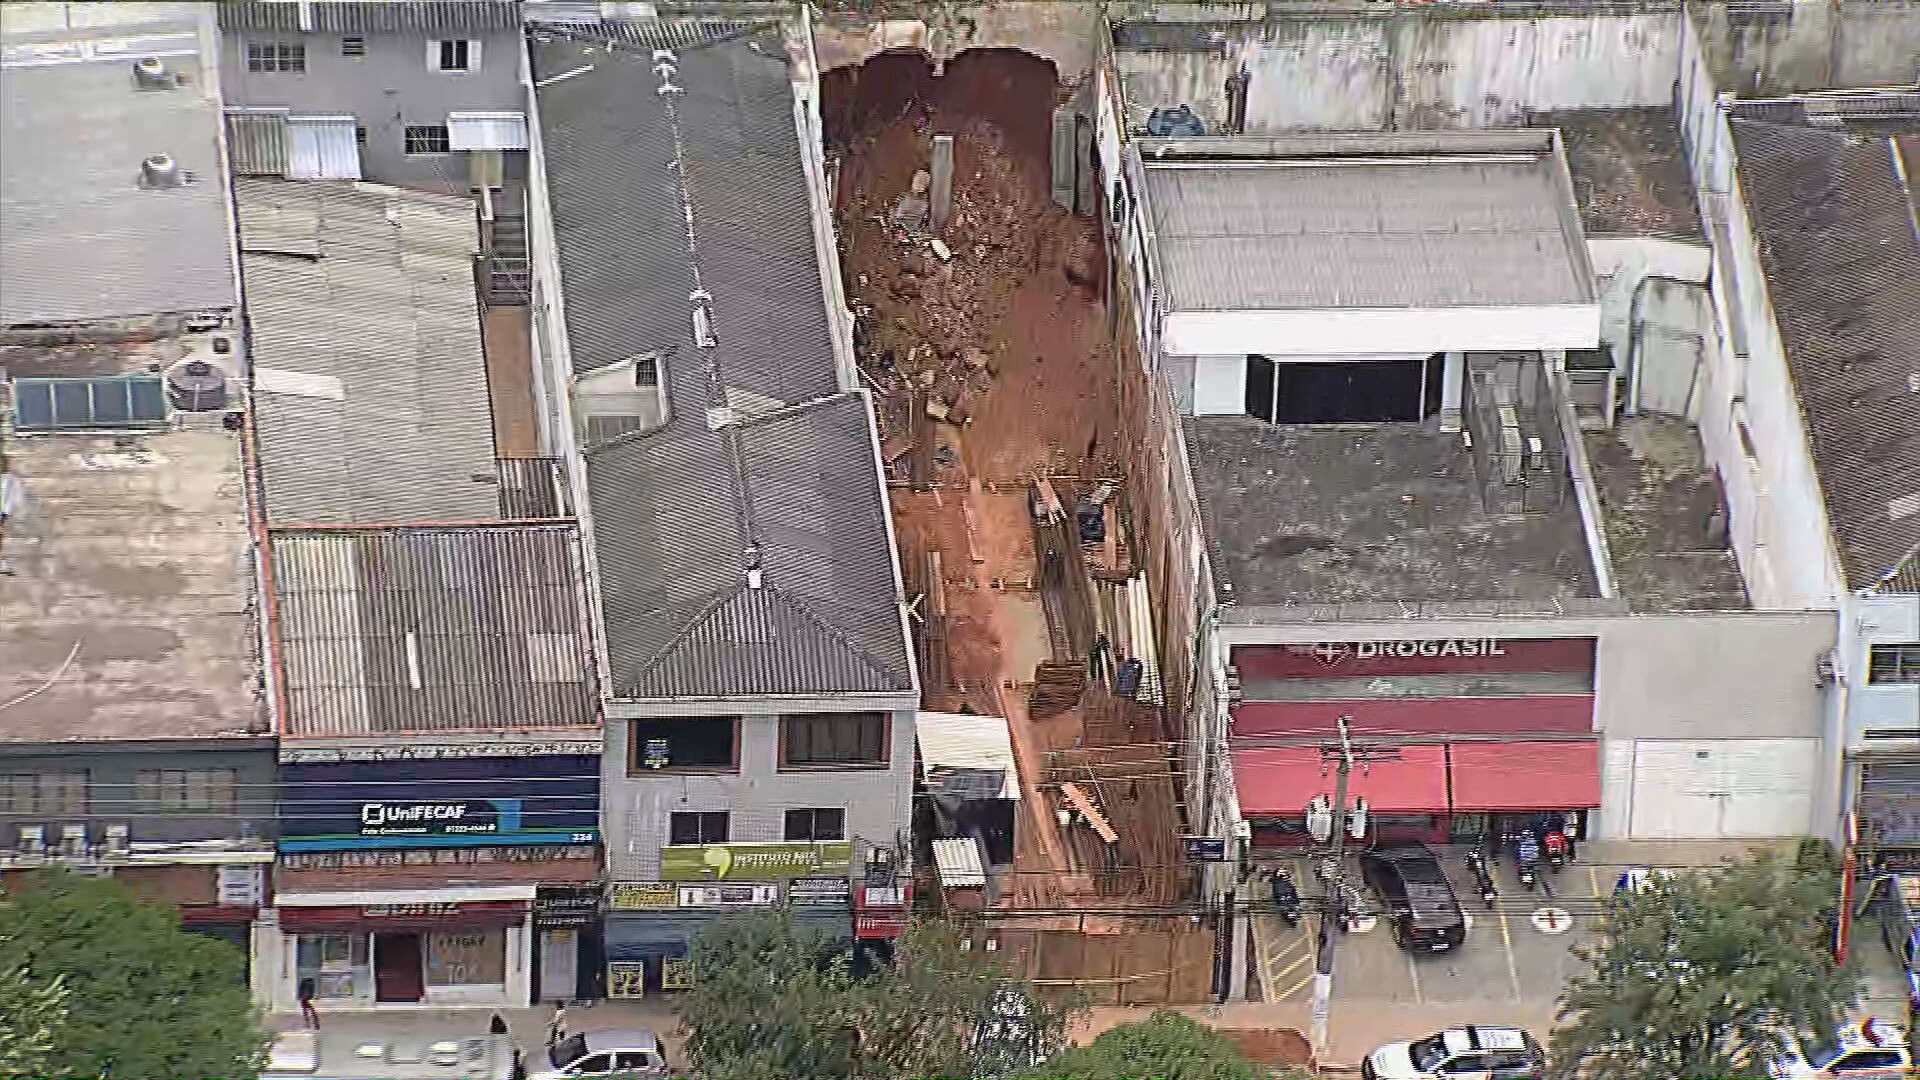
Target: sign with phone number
x=626 y=979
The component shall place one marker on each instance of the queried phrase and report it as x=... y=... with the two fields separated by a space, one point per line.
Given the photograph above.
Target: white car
x=634 y=1054
x=1868 y=1050
x=1464 y=1053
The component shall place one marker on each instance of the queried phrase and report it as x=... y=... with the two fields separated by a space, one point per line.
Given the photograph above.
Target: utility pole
x=1344 y=756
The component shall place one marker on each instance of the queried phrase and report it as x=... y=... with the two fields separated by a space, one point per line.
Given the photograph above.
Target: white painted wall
x=1879 y=620
x=1684 y=789
x=1377 y=331
x=635 y=809
x=1219 y=385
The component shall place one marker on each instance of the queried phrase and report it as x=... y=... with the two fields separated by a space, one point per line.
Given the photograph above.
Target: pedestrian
x=499 y=1026
x=308 y=1014
x=558 y=1029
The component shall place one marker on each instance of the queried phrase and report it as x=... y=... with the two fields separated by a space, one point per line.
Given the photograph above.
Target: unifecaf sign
x=754 y=862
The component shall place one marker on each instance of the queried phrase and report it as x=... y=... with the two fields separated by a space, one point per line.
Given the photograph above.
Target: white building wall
x=1219 y=384
x=636 y=809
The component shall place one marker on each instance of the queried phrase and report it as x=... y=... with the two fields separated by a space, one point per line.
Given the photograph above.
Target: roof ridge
x=864 y=654
x=715 y=599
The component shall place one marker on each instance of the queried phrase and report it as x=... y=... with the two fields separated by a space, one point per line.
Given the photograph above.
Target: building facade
x=428 y=639
x=134 y=738
x=698 y=381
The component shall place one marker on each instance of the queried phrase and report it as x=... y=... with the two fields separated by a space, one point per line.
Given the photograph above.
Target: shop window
x=690 y=744
x=1893 y=664
x=833 y=740
x=186 y=790
x=698 y=828
x=467 y=958
x=336 y=965
x=43 y=793
x=824 y=824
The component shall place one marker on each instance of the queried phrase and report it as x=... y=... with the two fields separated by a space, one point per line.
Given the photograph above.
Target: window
x=646 y=371
x=208 y=790
x=826 y=740
x=271 y=56
x=467 y=958
x=1868 y=1061
x=353 y=46
x=597 y=1065
x=456 y=55
x=1893 y=664
x=817 y=824
x=336 y=965
x=632 y=1059
x=690 y=743
x=428 y=139
x=360 y=136
x=43 y=793
x=698 y=828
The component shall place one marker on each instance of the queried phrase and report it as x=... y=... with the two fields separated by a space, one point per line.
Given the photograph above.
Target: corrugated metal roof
x=959 y=863
x=257 y=141
x=674 y=520
x=680 y=512
x=369 y=289
x=353 y=16
x=969 y=744
x=1833 y=222
x=1355 y=233
x=433 y=629
x=80 y=238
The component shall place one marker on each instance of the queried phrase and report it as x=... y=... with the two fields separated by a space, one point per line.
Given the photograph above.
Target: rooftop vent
x=160 y=171
x=151 y=74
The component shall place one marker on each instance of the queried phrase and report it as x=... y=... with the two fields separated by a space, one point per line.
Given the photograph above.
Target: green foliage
x=1165 y=1046
x=148 y=999
x=773 y=999
x=1698 y=976
x=33 y=1020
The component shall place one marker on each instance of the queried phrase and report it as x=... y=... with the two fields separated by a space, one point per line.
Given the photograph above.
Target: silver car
x=632 y=1054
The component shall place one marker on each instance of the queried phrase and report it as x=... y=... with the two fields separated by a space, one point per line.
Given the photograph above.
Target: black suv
x=1420 y=906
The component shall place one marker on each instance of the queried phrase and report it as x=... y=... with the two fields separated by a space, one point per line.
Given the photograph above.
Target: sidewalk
x=1357 y=1027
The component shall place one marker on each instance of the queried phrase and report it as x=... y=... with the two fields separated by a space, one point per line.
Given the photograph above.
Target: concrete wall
x=385 y=90
x=635 y=810
x=1444 y=65
x=111 y=772
x=1879 y=620
x=1061 y=32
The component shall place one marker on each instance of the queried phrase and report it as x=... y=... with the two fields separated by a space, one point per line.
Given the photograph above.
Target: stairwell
x=508 y=273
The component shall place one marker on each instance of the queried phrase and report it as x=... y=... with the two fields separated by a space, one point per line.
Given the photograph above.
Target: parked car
x=633 y=1054
x=1868 y=1050
x=1420 y=907
x=1473 y=1052
x=407 y=1055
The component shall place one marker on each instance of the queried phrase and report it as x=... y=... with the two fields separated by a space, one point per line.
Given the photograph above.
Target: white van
x=313 y=1055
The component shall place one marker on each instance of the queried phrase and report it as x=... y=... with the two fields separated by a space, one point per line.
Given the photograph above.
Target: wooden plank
x=1094 y=817
x=935 y=586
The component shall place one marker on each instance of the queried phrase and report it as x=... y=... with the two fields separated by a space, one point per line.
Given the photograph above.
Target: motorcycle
x=1286 y=898
x=1555 y=846
x=1482 y=879
x=1526 y=859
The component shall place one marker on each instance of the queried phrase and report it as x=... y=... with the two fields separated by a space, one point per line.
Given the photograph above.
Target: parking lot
x=1518 y=951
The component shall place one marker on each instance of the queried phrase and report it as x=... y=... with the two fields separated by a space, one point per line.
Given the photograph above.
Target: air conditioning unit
x=1826 y=670
x=33 y=839
x=119 y=838
x=73 y=841
x=1236 y=693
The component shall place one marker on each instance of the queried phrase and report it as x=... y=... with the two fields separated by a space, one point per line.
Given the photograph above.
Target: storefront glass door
x=396 y=967
x=335 y=966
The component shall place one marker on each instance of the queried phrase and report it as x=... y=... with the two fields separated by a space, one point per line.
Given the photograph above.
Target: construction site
x=984 y=334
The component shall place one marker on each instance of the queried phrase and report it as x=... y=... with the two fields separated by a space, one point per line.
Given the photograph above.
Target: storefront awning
x=1496 y=777
x=487 y=131
x=375 y=918
x=1278 y=781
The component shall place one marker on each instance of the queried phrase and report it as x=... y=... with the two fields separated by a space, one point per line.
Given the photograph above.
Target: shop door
x=559 y=963
x=396 y=967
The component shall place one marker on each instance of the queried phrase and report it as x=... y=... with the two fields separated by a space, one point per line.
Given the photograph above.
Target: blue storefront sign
x=496 y=801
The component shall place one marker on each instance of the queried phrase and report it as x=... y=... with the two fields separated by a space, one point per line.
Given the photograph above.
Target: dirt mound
x=1270 y=1046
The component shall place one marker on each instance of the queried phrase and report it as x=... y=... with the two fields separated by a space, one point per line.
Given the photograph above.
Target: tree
x=156 y=1000
x=1701 y=974
x=774 y=999
x=33 y=1019
x=1166 y=1046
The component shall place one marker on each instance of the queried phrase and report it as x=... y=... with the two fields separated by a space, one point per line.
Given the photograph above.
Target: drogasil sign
x=1338 y=652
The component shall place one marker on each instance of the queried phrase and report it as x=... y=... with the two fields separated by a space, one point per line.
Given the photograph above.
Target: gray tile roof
x=80 y=238
x=349 y=16
x=1320 y=232
x=1834 y=225
x=383 y=631
x=681 y=513
x=371 y=287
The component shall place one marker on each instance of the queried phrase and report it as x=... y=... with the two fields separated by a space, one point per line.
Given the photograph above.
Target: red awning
x=1530 y=714
x=463 y=915
x=1276 y=781
x=1507 y=776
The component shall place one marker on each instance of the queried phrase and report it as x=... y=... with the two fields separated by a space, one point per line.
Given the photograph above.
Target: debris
x=941 y=249
x=910 y=213
x=922 y=179
x=979 y=359
x=937 y=408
